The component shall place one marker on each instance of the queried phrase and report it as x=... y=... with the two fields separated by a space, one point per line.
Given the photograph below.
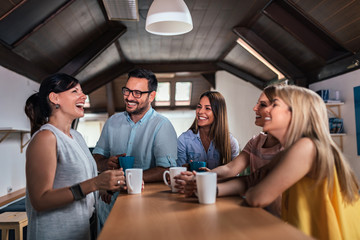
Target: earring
x=57 y=106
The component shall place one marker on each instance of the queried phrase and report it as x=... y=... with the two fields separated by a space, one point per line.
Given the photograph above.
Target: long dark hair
x=219 y=130
x=38 y=107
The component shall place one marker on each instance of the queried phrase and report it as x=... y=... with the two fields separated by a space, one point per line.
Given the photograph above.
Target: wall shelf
x=331 y=106
x=335 y=110
x=8 y=131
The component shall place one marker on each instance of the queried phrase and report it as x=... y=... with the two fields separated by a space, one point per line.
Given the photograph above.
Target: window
x=173 y=93
x=183 y=93
x=90 y=127
x=163 y=94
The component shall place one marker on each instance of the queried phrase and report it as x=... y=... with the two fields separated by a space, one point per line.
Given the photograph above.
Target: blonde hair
x=309 y=119
x=219 y=130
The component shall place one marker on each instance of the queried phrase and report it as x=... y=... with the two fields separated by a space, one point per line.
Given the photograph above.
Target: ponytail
x=34 y=113
x=38 y=107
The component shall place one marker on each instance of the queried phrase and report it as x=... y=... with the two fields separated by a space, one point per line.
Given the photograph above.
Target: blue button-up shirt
x=152 y=140
x=190 y=148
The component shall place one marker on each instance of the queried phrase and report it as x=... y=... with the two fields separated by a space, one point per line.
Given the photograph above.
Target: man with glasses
x=140 y=132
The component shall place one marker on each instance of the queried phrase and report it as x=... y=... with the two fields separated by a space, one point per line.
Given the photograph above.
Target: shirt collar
x=198 y=135
x=144 y=118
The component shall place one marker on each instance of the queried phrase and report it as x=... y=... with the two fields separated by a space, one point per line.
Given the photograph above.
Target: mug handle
x=129 y=182
x=164 y=178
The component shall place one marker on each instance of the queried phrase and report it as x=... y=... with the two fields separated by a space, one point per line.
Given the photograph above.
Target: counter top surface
x=157 y=213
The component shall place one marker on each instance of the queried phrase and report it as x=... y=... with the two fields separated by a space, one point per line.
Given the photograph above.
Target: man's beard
x=140 y=110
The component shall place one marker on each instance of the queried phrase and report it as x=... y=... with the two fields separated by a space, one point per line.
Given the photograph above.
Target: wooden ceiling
x=306 y=40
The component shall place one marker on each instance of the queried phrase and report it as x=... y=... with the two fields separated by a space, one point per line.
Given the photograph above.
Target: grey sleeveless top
x=74 y=164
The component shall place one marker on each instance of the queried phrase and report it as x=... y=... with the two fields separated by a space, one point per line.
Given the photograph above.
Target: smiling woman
x=320 y=193
x=61 y=174
x=208 y=137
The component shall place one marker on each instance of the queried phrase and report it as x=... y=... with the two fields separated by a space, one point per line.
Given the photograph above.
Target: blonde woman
x=319 y=190
x=208 y=138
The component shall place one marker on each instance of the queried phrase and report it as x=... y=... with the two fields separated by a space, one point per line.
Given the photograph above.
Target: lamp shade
x=168 y=17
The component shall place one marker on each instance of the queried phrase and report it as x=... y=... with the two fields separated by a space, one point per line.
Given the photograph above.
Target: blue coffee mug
x=196 y=165
x=126 y=162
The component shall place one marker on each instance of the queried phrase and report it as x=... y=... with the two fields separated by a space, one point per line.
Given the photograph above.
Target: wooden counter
x=159 y=214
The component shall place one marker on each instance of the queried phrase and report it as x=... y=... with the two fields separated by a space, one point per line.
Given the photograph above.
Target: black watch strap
x=77 y=192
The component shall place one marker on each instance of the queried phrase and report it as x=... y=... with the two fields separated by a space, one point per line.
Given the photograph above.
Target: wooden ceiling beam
x=36 y=15
x=210 y=77
x=305 y=30
x=103 y=78
x=173 y=67
x=227 y=51
x=110 y=99
x=342 y=66
x=20 y=65
x=241 y=74
x=85 y=57
x=269 y=53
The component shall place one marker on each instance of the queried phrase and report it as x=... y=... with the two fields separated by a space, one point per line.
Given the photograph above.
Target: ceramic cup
x=173 y=171
x=206 y=187
x=134 y=179
x=196 y=165
x=126 y=162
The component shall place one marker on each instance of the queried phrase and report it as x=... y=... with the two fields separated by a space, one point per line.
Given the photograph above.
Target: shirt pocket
x=216 y=156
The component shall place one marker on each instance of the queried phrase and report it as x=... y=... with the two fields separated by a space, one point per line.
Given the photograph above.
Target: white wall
x=345 y=84
x=14 y=90
x=240 y=97
x=180 y=119
x=90 y=126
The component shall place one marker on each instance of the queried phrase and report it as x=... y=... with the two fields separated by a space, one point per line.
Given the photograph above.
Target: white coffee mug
x=134 y=178
x=173 y=171
x=206 y=187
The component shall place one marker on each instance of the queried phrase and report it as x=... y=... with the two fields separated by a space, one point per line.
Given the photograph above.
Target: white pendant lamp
x=168 y=17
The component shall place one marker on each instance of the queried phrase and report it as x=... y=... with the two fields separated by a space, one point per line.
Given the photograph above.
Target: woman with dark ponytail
x=62 y=180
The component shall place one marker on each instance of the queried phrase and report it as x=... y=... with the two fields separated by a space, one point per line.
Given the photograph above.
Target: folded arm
x=234 y=167
x=294 y=165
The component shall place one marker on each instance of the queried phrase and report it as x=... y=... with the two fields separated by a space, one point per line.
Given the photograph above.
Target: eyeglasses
x=135 y=93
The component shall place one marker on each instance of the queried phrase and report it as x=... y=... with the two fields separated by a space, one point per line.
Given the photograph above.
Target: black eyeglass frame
x=134 y=92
